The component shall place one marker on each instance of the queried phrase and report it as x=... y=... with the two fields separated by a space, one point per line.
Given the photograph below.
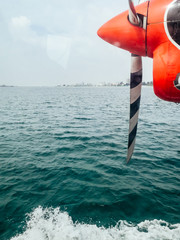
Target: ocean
x=63 y=171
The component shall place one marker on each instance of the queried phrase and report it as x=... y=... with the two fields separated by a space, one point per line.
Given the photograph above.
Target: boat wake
x=52 y=224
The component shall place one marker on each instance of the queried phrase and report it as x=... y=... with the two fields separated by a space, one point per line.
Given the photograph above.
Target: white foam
x=52 y=224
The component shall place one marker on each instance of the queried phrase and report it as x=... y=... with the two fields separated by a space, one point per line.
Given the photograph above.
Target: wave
x=53 y=224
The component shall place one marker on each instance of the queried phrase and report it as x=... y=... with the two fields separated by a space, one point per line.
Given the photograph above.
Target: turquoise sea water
x=63 y=173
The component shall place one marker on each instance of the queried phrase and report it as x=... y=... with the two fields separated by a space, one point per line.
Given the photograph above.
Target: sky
x=55 y=42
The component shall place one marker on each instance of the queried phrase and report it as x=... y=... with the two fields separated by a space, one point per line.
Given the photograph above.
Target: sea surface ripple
x=63 y=173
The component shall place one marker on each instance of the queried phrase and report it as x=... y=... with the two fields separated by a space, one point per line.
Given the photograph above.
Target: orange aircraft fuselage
x=157 y=38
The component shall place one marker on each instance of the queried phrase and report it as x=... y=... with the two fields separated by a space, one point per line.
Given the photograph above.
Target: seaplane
x=150 y=29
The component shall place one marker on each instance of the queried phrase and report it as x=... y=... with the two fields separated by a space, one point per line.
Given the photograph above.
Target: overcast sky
x=51 y=42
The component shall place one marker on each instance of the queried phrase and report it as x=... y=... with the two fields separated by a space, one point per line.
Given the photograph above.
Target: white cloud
x=20 y=22
x=20 y=29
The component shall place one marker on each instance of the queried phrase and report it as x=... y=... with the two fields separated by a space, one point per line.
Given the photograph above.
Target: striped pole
x=135 y=96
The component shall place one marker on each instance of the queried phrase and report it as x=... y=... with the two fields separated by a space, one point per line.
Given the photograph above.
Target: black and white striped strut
x=135 y=96
x=135 y=86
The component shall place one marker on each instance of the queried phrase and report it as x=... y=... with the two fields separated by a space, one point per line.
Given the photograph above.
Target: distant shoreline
x=103 y=85
x=6 y=85
x=82 y=85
